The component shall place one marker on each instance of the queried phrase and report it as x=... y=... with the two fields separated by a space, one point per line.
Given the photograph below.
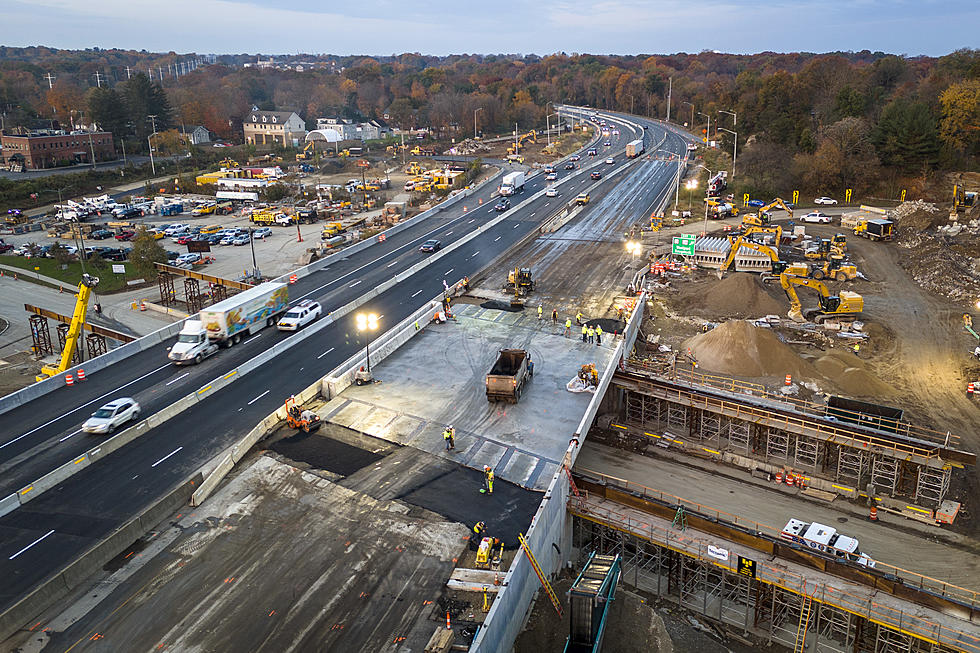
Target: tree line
x=816 y=121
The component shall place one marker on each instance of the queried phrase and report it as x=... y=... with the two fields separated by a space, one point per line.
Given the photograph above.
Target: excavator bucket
x=796 y=315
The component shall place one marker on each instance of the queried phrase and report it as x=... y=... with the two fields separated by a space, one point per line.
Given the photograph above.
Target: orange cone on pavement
x=779 y=477
x=69 y=379
x=81 y=374
x=874 y=513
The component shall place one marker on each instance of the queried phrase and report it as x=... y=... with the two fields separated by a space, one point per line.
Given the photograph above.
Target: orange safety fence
x=910 y=578
x=831 y=432
x=731 y=384
x=890 y=617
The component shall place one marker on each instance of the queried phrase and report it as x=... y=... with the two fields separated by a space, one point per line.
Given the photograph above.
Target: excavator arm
x=777 y=202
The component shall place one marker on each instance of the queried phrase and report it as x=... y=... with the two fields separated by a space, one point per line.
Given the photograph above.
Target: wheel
x=269 y=322
x=818 y=274
x=236 y=339
x=197 y=359
x=841 y=277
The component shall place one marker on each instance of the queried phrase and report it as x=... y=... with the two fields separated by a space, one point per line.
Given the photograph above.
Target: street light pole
x=705 y=229
x=690 y=124
x=732 y=114
x=734 y=149
x=365 y=324
x=475 y=111
x=149 y=142
x=670 y=88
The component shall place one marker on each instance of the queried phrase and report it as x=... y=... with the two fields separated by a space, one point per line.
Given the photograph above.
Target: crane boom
x=74 y=329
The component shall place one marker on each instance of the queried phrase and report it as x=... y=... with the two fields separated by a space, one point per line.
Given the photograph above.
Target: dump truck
x=825 y=539
x=508 y=375
x=512 y=183
x=634 y=148
x=876 y=229
x=224 y=324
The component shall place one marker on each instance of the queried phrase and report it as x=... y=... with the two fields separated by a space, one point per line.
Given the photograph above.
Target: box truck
x=512 y=183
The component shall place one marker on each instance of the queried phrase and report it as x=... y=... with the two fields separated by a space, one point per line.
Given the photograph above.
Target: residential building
x=272 y=127
x=48 y=148
x=355 y=131
x=195 y=134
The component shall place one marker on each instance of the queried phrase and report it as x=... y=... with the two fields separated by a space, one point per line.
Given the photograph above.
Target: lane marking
x=450 y=270
x=70 y=434
x=496 y=239
x=473 y=220
x=416 y=293
x=252 y=338
x=517 y=225
x=449 y=233
x=177 y=379
x=99 y=398
x=474 y=254
x=259 y=397
x=167 y=456
x=532 y=215
x=325 y=353
x=31 y=544
x=393 y=263
x=355 y=283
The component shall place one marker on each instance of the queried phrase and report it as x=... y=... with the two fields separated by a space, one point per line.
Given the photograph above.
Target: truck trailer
x=224 y=324
x=512 y=183
x=634 y=148
x=508 y=375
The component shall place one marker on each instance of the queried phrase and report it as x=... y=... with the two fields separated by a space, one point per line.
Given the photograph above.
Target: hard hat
x=486 y=468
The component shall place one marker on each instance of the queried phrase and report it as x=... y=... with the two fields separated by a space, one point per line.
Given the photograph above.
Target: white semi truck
x=825 y=539
x=634 y=148
x=224 y=324
x=512 y=183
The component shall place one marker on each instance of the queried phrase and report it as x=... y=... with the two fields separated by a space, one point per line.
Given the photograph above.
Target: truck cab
x=192 y=344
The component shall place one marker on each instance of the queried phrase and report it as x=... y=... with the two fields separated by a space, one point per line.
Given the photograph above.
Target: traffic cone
x=448 y=625
x=779 y=477
x=969 y=389
x=142 y=305
x=874 y=513
x=69 y=379
x=789 y=478
x=81 y=374
x=789 y=379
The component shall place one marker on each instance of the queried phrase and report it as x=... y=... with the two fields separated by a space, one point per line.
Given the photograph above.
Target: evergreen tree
x=907 y=135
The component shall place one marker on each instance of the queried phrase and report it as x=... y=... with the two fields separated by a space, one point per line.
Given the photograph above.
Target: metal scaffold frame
x=739 y=436
x=808 y=453
x=777 y=445
x=834 y=630
x=885 y=473
x=932 y=484
x=852 y=466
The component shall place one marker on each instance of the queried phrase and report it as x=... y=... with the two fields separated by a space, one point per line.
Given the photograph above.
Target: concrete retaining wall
x=78 y=571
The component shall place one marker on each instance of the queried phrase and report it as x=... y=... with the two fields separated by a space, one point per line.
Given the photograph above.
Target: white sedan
x=825 y=200
x=300 y=315
x=817 y=216
x=610 y=161
x=113 y=415
x=551 y=192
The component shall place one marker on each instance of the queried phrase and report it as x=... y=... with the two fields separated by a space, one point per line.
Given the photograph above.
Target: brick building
x=49 y=148
x=271 y=127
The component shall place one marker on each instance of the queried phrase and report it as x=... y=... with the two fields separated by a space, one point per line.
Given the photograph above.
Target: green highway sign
x=683 y=245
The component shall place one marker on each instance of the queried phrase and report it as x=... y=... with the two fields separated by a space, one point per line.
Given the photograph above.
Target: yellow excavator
x=763 y=218
x=743 y=241
x=74 y=329
x=846 y=304
x=827 y=248
x=308 y=151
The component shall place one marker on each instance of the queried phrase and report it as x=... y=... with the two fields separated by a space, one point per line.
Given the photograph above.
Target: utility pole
x=129 y=73
x=160 y=70
x=670 y=88
x=50 y=79
x=98 y=79
x=92 y=149
x=149 y=142
x=475 y=111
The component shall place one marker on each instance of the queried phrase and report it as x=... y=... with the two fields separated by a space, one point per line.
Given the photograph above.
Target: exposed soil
x=737 y=295
x=741 y=349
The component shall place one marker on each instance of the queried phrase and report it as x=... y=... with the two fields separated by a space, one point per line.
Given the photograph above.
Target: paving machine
x=300 y=419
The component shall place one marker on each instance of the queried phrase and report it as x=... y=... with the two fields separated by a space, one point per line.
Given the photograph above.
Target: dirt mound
x=497 y=305
x=737 y=295
x=861 y=383
x=919 y=216
x=740 y=349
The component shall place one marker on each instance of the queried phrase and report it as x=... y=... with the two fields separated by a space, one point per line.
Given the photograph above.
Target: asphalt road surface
x=43 y=536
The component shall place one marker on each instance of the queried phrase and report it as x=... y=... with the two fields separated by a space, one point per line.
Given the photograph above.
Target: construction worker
x=598 y=334
x=554 y=316
x=449 y=435
x=568 y=327
x=591 y=331
x=488 y=478
x=540 y=311
x=620 y=314
x=466 y=284
x=479 y=528
x=585 y=333
x=578 y=318
x=857 y=348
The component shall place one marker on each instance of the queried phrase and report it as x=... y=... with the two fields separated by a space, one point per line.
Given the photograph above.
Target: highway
x=41 y=537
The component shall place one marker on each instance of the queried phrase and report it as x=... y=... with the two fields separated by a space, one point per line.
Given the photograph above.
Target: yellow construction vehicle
x=742 y=241
x=415 y=169
x=228 y=163
x=963 y=199
x=74 y=329
x=520 y=280
x=847 y=304
x=307 y=153
x=835 y=268
x=763 y=217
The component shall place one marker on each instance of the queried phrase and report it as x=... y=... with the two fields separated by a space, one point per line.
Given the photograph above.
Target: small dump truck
x=508 y=375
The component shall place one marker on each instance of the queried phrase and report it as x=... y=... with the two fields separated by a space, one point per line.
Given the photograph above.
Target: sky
x=383 y=27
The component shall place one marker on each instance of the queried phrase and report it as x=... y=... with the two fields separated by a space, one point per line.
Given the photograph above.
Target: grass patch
x=71 y=276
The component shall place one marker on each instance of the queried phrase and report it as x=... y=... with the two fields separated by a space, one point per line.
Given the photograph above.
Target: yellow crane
x=74 y=329
x=846 y=304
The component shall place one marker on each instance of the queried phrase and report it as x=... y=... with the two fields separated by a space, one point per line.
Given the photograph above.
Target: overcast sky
x=381 y=27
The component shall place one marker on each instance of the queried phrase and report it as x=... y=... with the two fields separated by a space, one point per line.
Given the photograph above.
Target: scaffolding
x=165 y=282
x=95 y=344
x=884 y=474
x=777 y=445
x=809 y=453
x=852 y=466
x=192 y=295
x=41 y=335
x=63 y=330
x=931 y=484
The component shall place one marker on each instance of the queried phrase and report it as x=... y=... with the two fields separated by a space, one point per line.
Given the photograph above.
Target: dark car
x=596 y=175
x=607 y=144
x=569 y=166
x=114 y=253
x=125 y=235
x=593 y=152
x=432 y=245
x=756 y=203
x=214 y=239
x=172 y=255
x=502 y=205
x=100 y=234
x=131 y=212
x=307 y=215
x=5 y=247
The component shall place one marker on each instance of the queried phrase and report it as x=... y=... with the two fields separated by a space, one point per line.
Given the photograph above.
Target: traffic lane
x=114 y=488
x=124 y=482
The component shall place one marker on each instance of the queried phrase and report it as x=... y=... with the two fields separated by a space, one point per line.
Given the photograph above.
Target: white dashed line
x=354 y=284
x=325 y=353
x=449 y=233
x=496 y=239
x=416 y=293
x=392 y=264
x=450 y=270
x=172 y=381
x=259 y=397
x=31 y=544
x=474 y=254
x=167 y=456
x=70 y=434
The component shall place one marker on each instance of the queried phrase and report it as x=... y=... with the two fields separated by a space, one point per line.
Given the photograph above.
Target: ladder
x=806 y=611
x=537 y=569
x=680 y=519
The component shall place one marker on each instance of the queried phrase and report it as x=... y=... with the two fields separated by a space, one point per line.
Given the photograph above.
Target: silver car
x=113 y=415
